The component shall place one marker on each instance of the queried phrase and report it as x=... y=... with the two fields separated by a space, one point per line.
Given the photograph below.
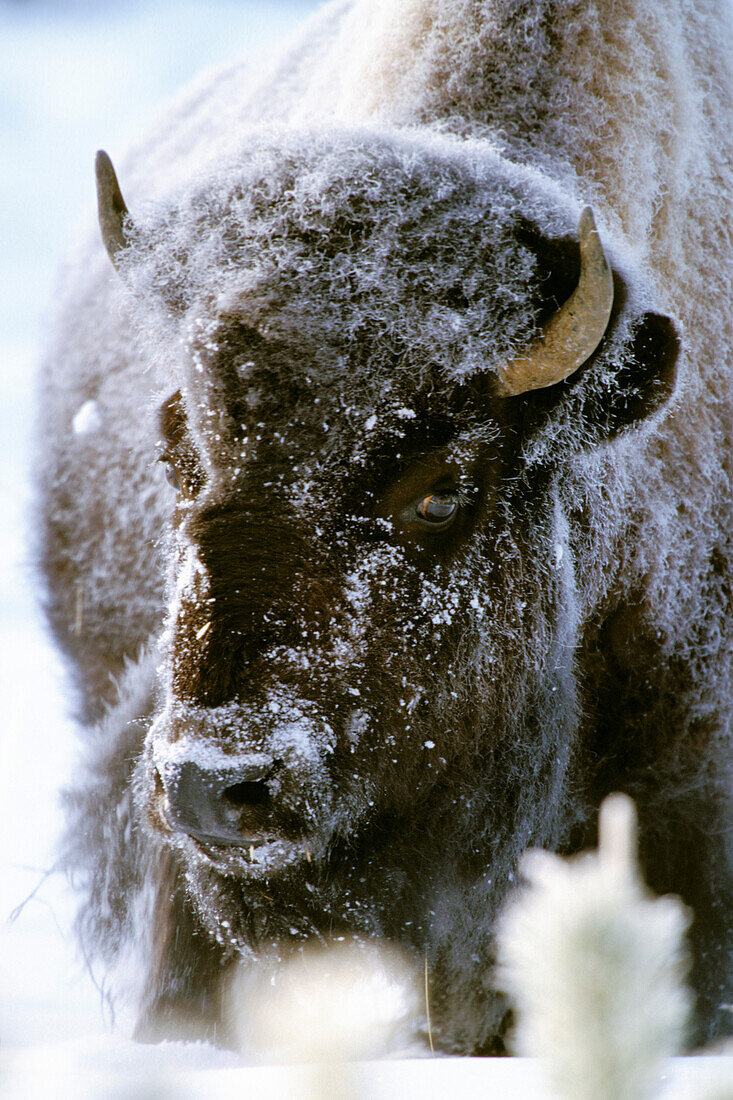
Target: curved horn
x=111 y=207
x=575 y=331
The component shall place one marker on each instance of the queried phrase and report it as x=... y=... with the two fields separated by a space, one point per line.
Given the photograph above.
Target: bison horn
x=572 y=335
x=111 y=207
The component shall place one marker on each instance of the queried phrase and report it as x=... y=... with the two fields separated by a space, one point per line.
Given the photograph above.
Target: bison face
x=375 y=588
x=327 y=653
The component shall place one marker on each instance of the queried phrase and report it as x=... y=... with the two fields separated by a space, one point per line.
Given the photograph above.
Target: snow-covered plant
x=595 y=966
x=327 y=1006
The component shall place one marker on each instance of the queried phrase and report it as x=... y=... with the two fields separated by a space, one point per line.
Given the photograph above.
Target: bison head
x=390 y=359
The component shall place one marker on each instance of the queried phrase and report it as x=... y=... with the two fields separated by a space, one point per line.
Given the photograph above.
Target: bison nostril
x=243 y=795
x=225 y=805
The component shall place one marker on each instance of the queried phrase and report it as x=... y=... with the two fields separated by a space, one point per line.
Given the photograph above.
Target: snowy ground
x=73 y=77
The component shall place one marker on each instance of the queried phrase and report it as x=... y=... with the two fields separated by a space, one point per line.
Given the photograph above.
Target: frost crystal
x=87 y=419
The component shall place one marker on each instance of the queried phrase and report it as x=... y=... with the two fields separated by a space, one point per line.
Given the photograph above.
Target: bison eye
x=438 y=510
x=171 y=476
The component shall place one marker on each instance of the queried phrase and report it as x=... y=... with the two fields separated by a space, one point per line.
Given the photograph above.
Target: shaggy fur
x=326 y=265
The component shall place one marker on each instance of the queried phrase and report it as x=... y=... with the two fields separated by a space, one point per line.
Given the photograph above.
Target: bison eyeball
x=171 y=476
x=436 y=510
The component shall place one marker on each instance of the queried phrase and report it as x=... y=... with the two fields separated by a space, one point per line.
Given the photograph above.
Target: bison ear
x=114 y=219
x=587 y=411
x=641 y=386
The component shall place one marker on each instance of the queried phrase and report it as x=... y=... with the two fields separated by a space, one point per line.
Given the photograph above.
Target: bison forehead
x=366 y=245
x=255 y=401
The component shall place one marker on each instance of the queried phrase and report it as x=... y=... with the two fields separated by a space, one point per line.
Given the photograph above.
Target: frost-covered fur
x=329 y=259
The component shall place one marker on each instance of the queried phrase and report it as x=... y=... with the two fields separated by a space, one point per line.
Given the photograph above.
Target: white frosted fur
x=414 y=60
x=167 y=757
x=292 y=733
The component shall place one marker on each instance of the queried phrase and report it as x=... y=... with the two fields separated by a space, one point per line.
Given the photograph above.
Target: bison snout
x=220 y=805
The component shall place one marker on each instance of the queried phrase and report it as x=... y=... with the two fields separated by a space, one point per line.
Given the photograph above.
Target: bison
x=437 y=549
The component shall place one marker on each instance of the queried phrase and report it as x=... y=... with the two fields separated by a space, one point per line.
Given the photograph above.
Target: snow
x=87 y=419
x=103 y=1068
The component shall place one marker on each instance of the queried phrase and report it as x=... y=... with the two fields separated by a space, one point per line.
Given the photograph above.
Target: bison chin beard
x=246 y=918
